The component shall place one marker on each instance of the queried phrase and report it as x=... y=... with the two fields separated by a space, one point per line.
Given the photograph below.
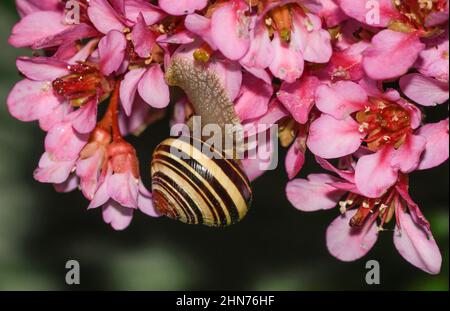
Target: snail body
x=189 y=185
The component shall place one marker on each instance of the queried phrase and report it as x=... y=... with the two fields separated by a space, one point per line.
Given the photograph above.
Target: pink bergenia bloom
x=353 y=114
x=280 y=37
x=297 y=39
x=120 y=189
x=352 y=235
x=52 y=88
x=129 y=42
x=403 y=25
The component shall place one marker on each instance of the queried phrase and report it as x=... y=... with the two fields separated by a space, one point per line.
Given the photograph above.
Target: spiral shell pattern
x=196 y=189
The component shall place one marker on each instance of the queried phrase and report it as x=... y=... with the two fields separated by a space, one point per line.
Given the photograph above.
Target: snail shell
x=191 y=186
x=197 y=189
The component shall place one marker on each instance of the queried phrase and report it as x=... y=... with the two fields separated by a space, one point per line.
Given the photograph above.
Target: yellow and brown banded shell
x=191 y=187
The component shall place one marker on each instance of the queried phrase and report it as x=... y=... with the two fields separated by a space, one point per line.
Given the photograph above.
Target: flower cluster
x=346 y=79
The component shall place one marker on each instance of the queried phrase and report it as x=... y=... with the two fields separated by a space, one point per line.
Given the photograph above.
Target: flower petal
x=415 y=246
x=104 y=17
x=253 y=99
x=35 y=27
x=314 y=193
x=31 y=100
x=153 y=87
x=424 y=90
x=64 y=143
x=391 y=55
x=123 y=188
x=85 y=118
x=407 y=157
x=128 y=88
x=299 y=97
x=229 y=29
x=374 y=173
x=287 y=63
x=347 y=243
x=374 y=13
x=341 y=99
x=182 y=7
x=142 y=37
x=437 y=144
x=330 y=138
x=111 y=49
x=53 y=171
x=117 y=216
x=42 y=68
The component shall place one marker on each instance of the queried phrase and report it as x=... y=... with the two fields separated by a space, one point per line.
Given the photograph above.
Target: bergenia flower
x=403 y=27
x=352 y=234
x=385 y=122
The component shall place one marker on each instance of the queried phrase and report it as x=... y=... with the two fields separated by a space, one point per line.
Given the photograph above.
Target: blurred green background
x=275 y=248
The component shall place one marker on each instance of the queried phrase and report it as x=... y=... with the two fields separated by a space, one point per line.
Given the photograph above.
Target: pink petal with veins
x=31 y=100
x=424 y=90
x=299 y=97
x=374 y=173
x=117 y=216
x=330 y=138
x=415 y=245
x=347 y=243
x=153 y=87
x=437 y=144
x=35 y=27
x=313 y=194
x=391 y=54
x=230 y=29
x=111 y=50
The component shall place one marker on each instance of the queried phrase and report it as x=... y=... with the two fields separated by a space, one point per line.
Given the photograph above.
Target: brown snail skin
x=189 y=185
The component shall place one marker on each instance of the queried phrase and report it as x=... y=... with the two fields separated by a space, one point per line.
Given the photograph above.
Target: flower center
x=279 y=20
x=82 y=84
x=384 y=123
x=383 y=207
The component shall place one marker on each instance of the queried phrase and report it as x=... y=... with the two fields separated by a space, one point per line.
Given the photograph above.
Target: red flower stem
x=113 y=109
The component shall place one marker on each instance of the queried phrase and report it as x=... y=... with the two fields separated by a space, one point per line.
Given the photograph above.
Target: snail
x=189 y=185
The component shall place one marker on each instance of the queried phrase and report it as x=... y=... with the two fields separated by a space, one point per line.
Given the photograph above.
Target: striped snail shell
x=188 y=185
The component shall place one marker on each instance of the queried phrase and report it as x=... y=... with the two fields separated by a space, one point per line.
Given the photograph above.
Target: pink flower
x=296 y=39
x=396 y=49
x=352 y=235
x=385 y=122
x=140 y=53
x=120 y=189
x=52 y=89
